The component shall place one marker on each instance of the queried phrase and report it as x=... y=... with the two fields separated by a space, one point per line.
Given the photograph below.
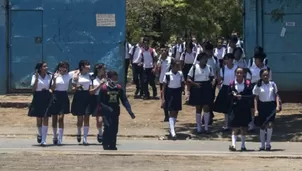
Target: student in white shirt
x=227 y=74
x=187 y=58
x=241 y=94
x=81 y=99
x=220 y=51
x=238 y=60
x=178 y=48
x=173 y=85
x=164 y=66
x=127 y=59
x=266 y=104
x=148 y=60
x=97 y=80
x=61 y=105
x=137 y=68
x=254 y=76
x=200 y=78
x=232 y=44
x=40 y=104
x=258 y=49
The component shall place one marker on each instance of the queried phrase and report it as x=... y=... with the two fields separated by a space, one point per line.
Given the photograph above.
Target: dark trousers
x=138 y=78
x=111 y=123
x=149 y=78
x=127 y=63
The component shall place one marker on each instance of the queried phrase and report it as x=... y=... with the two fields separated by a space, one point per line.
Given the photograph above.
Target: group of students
x=247 y=96
x=97 y=94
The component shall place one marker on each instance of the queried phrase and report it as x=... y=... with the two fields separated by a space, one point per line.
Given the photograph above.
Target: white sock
x=206 y=118
x=251 y=124
x=79 y=130
x=234 y=138
x=100 y=131
x=39 y=131
x=242 y=141
x=198 y=122
x=226 y=121
x=86 y=130
x=55 y=133
x=44 y=133
x=262 y=138
x=269 y=137
x=172 y=124
x=174 y=119
x=61 y=134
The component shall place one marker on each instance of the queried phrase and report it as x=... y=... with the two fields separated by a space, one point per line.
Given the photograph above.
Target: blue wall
x=284 y=53
x=3 y=57
x=69 y=32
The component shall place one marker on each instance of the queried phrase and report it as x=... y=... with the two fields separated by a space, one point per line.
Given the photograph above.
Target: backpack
x=168 y=80
x=251 y=61
x=247 y=84
x=194 y=68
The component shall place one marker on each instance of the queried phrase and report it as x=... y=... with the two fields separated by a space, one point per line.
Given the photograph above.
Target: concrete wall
x=68 y=30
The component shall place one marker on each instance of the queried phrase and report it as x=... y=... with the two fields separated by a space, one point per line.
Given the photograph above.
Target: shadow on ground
x=286 y=128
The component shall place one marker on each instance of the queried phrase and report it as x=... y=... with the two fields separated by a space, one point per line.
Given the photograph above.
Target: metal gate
x=26 y=47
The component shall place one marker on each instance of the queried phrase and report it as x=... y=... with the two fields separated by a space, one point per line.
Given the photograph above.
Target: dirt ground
x=148 y=123
x=48 y=162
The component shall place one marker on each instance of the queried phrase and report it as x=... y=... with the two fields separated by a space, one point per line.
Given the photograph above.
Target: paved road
x=152 y=147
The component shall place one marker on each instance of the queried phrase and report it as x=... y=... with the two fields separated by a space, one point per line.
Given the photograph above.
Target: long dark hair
x=96 y=68
x=259 y=83
x=83 y=63
x=39 y=66
x=62 y=64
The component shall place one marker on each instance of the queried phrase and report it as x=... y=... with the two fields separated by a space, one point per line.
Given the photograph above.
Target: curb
x=14 y=104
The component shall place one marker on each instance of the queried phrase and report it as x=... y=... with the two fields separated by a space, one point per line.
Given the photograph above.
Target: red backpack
x=247 y=84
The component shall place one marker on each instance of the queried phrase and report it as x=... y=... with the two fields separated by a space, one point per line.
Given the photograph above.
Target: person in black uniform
x=240 y=114
x=109 y=107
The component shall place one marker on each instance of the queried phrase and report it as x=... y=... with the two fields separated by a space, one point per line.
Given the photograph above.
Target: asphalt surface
x=152 y=147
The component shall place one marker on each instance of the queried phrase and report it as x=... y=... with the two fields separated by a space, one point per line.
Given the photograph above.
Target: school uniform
x=240 y=63
x=177 y=50
x=147 y=58
x=173 y=95
x=62 y=104
x=188 y=61
x=164 y=68
x=81 y=98
x=137 y=70
x=93 y=105
x=240 y=108
x=202 y=95
x=219 y=53
x=127 y=59
x=41 y=97
x=222 y=102
x=267 y=102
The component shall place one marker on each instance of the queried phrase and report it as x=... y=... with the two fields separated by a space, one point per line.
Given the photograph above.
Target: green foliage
x=163 y=20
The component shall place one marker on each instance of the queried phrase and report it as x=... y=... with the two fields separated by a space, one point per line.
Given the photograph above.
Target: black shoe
x=232 y=148
x=166 y=119
x=100 y=138
x=136 y=93
x=243 y=149
x=261 y=149
x=106 y=147
x=174 y=138
x=146 y=97
x=79 y=138
x=268 y=148
x=113 y=147
x=55 y=141
x=39 y=138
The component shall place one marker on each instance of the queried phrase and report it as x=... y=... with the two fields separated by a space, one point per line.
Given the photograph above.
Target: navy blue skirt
x=173 y=99
x=240 y=113
x=186 y=70
x=201 y=96
x=40 y=104
x=223 y=101
x=267 y=113
x=61 y=104
x=93 y=106
x=80 y=103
